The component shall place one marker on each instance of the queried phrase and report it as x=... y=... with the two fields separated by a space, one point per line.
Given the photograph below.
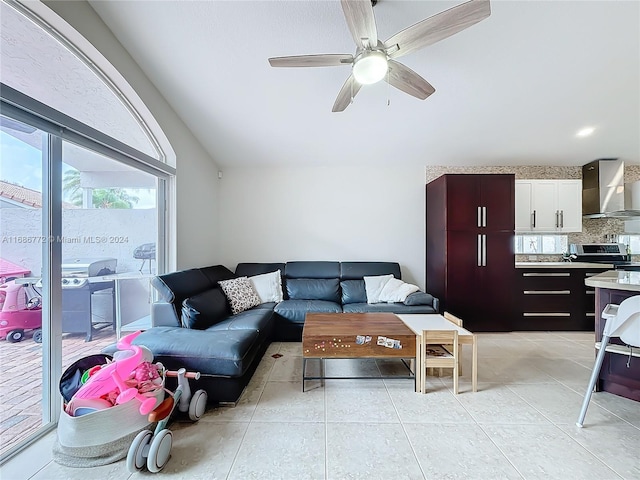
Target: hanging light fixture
x=370 y=67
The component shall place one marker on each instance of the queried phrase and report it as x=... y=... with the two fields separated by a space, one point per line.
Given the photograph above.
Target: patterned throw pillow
x=240 y=294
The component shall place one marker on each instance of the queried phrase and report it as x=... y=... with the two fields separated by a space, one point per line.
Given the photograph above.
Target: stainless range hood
x=604 y=193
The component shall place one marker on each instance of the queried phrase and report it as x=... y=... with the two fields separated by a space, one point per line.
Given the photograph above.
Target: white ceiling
x=512 y=90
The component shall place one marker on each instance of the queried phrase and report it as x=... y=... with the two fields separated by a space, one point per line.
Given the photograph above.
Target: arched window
x=84 y=177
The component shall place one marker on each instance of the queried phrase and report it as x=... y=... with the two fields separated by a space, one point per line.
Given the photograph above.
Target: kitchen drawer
x=545 y=280
x=536 y=301
x=549 y=322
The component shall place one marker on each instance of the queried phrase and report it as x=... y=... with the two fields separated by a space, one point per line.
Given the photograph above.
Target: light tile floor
x=520 y=424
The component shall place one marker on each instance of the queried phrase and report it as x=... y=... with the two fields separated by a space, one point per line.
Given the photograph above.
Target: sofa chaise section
x=193 y=328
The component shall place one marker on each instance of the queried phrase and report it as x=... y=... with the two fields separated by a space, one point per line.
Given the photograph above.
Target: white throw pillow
x=397 y=291
x=268 y=286
x=374 y=285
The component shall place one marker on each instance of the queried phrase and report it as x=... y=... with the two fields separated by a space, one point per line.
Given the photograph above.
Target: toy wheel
x=15 y=336
x=197 y=405
x=159 y=451
x=136 y=457
x=37 y=336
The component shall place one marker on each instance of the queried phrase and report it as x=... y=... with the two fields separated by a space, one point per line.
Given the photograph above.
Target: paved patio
x=21 y=381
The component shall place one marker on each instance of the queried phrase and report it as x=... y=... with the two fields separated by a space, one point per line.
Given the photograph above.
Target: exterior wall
x=83 y=234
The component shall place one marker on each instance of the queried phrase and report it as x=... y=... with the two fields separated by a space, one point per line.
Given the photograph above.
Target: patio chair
x=436 y=355
x=621 y=321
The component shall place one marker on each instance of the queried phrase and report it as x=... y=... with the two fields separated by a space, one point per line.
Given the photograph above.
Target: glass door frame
x=59 y=127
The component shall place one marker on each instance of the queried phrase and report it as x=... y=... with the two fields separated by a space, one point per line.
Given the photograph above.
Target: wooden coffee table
x=355 y=335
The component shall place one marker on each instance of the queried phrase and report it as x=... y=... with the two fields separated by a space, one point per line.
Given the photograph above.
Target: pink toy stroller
x=111 y=405
x=20 y=310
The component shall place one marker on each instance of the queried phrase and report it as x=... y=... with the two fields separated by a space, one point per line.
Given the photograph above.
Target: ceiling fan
x=374 y=60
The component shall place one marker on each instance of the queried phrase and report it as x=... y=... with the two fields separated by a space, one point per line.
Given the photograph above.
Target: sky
x=21 y=164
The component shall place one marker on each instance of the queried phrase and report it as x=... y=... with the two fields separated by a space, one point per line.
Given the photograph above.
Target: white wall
x=325 y=213
x=195 y=217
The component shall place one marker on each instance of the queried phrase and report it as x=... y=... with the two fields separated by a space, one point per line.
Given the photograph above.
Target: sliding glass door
x=81 y=237
x=23 y=255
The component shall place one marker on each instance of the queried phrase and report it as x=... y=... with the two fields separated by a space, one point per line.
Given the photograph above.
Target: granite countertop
x=615 y=280
x=563 y=265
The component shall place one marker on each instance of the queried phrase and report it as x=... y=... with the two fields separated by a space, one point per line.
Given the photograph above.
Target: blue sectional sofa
x=193 y=326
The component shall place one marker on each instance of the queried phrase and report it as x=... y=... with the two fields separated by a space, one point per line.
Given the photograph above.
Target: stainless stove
x=612 y=253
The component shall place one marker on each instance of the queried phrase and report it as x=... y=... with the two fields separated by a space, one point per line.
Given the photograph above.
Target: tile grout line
x=244 y=434
x=404 y=430
x=559 y=428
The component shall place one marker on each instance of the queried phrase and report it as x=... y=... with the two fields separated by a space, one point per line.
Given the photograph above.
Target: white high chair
x=621 y=321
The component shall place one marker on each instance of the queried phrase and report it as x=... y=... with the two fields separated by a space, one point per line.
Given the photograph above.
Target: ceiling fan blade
x=347 y=92
x=437 y=27
x=361 y=22
x=328 y=60
x=405 y=79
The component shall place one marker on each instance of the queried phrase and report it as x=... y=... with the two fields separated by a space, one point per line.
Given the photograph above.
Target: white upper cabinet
x=548 y=206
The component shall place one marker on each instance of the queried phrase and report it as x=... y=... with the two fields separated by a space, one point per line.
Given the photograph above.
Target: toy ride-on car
x=20 y=310
x=153 y=449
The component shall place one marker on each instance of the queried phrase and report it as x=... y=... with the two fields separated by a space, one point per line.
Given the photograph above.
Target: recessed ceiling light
x=585 y=132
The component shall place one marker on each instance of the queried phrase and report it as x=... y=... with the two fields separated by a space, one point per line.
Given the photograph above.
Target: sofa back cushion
x=250 y=269
x=314 y=289
x=176 y=287
x=353 y=291
x=357 y=270
x=312 y=270
x=205 y=309
x=217 y=273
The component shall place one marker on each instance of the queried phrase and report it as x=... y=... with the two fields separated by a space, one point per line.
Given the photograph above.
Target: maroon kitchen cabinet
x=470 y=248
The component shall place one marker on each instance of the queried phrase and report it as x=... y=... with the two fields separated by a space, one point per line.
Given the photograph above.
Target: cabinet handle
x=555 y=274
x=484 y=250
x=533 y=221
x=547 y=292
x=479 y=216
x=557 y=219
x=479 y=250
x=484 y=216
x=545 y=314
x=561 y=218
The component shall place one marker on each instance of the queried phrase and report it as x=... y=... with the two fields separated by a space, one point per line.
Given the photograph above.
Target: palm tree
x=71 y=186
x=101 y=197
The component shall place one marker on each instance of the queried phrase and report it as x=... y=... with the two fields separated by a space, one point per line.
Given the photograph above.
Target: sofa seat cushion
x=387 y=307
x=223 y=352
x=295 y=310
x=254 y=319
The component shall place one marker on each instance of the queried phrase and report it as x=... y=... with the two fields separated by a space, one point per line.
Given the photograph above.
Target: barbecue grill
x=81 y=278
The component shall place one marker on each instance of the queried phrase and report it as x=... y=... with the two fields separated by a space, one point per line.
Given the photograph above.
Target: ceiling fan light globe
x=370 y=67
